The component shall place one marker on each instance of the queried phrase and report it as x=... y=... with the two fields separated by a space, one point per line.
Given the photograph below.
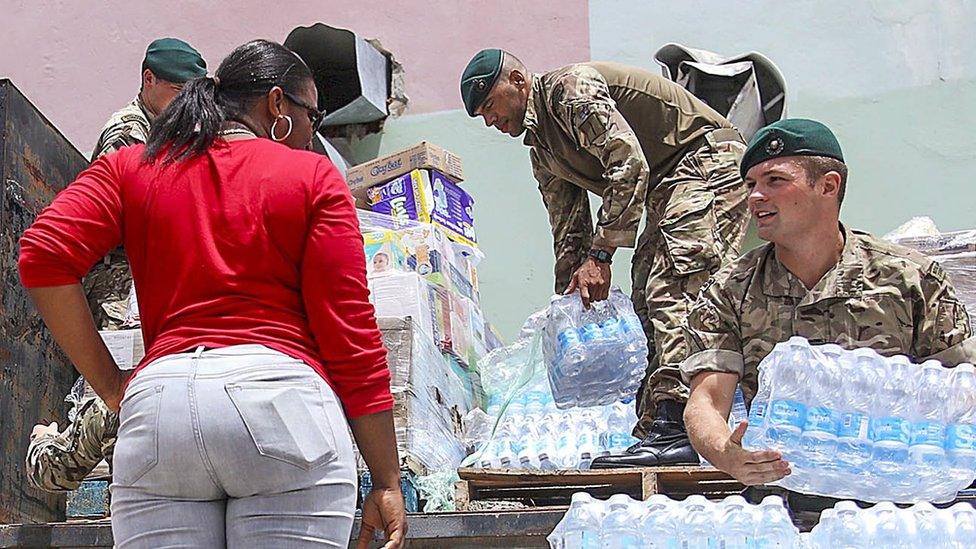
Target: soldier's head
x=169 y=63
x=495 y=86
x=796 y=176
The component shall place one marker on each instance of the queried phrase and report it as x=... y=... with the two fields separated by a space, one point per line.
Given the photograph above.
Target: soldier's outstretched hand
x=751 y=467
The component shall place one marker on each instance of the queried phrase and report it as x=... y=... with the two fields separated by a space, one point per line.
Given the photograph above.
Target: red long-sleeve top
x=251 y=242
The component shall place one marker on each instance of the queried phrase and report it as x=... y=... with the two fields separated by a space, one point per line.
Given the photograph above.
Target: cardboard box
x=409 y=246
x=424 y=155
x=427 y=196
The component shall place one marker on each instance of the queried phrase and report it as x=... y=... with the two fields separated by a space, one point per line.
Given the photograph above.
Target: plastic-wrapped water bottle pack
x=855 y=424
x=531 y=433
x=661 y=522
x=594 y=356
x=887 y=526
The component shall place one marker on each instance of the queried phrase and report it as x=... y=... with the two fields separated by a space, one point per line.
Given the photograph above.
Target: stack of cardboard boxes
x=421 y=262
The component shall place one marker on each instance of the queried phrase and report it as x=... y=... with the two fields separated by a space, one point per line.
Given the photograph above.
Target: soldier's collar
x=531 y=119
x=777 y=280
x=142 y=107
x=845 y=279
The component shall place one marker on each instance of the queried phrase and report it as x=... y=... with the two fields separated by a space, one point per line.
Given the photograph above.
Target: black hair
x=191 y=123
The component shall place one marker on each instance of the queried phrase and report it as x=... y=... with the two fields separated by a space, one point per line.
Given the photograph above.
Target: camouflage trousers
x=696 y=221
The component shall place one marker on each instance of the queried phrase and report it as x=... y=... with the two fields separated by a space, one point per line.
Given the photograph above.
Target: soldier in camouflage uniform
x=647 y=147
x=59 y=461
x=816 y=279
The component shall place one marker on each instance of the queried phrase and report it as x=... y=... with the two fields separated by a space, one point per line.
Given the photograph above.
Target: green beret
x=174 y=60
x=478 y=78
x=790 y=137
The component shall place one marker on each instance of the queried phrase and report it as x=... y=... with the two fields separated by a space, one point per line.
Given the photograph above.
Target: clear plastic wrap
x=624 y=523
x=956 y=252
x=855 y=424
x=594 y=356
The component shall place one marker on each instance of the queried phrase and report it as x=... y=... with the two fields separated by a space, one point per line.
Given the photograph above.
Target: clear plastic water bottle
x=890 y=428
x=567 y=456
x=818 y=442
x=658 y=527
x=754 y=439
x=892 y=527
x=787 y=410
x=932 y=528
x=825 y=530
x=961 y=435
x=620 y=528
x=572 y=353
x=963 y=525
x=927 y=448
x=588 y=443
x=619 y=426
x=854 y=444
x=849 y=529
x=696 y=527
x=736 y=525
x=580 y=527
x=775 y=529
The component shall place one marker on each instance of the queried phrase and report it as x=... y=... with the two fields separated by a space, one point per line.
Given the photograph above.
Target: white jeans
x=235 y=447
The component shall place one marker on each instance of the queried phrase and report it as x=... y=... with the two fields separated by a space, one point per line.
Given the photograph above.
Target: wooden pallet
x=555 y=488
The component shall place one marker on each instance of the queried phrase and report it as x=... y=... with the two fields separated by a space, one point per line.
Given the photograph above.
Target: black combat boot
x=666 y=443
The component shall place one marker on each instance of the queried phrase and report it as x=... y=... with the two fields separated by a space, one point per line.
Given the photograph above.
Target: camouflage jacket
x=612 y=130
x=879 y=295
x=60 y=461
x=128 y=126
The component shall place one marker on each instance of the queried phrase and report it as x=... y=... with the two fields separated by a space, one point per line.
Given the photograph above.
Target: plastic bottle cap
x=966 y=367
x=581 y=498
x=846 y=506
x=932 y=364
x=620 y=499
x=659 y=499
x=772 y=500
x=735 y=500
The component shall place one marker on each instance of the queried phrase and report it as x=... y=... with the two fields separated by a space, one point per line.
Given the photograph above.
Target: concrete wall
x=896 y=80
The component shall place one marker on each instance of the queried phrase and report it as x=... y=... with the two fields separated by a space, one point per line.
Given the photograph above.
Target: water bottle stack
x=594 y=356
x=855 y=424
x=885 y=525
x=661 y=522
x=533 y=434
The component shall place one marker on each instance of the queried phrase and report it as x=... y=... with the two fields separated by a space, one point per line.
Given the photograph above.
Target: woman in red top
x=260 y=340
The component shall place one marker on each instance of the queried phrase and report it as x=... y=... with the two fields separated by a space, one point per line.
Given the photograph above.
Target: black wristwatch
x=602 y=256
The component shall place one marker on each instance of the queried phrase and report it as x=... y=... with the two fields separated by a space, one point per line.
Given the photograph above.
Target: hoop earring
x=275 y=125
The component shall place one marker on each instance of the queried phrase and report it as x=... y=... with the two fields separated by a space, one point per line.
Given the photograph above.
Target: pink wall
x=78 y=61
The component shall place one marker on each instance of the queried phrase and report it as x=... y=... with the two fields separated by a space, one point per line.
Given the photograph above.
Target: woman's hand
x=384 y=510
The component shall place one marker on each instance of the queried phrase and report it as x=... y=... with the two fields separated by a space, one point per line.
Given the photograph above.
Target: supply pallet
x=555 y=488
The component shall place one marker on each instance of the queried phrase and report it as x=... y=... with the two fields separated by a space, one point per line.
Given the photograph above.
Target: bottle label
x=757 y=413
x=783 y=413
x=822 y=420
x=929 y=433
x=961 y=438
x=518 y=445
x=589 y=438
x=621 y=440
x=565 y=441
x=890 y=429
x=854 y=425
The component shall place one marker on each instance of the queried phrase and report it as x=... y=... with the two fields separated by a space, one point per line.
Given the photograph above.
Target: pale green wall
x=896 y=81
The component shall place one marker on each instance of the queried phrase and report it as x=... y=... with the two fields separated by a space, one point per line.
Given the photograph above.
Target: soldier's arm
x=60 y=462
x=569 y=218
x=712 y=332
x=942 y=330
x=591 y=116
